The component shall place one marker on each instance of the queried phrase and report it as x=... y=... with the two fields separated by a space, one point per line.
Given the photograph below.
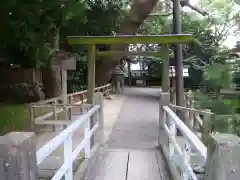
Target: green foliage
x=197 y=54
x=100 y=18
x=30 y=30
x=30 y=27
x=217 y=76
x=218 y=105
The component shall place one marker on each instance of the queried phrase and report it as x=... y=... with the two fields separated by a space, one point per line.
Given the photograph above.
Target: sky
x=229 y=42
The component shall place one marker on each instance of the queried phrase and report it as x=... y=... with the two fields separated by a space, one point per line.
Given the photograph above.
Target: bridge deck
x=131 y=153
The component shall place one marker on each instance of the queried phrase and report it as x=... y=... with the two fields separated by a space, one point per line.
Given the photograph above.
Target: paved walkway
x=131 y=153
x=137 y=125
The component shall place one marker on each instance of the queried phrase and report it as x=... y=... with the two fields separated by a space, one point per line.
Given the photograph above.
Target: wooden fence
x=198 y=120
x=19 y=75
x=53 y=112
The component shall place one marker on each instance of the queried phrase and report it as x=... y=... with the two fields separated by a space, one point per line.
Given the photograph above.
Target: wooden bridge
x=143 y=145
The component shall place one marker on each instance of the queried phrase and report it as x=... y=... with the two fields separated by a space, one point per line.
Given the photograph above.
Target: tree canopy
x=33 y=31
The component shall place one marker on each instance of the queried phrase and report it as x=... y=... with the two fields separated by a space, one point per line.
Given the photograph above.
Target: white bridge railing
x=20 y=159
x=184 y=148
x=172 y=123
x=65 y=137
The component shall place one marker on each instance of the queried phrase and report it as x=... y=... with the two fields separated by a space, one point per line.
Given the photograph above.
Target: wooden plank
x=143 y=166
x=109 y=166
x=132 y=39
x=54 y=122
x=162 y=165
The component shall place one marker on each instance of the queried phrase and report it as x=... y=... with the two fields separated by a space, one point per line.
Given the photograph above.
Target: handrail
x=69 y=95
x=190 y=109
x=200 y=147
x=199 y=120
x=58 y=108
x=171 y=122
x=65 y=137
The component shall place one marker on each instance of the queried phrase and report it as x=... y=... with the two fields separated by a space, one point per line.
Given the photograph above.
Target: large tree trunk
x=139 y=12
x=52 y=74
x=51 y=81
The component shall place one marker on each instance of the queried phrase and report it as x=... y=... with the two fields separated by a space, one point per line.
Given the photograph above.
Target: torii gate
x=92 y=41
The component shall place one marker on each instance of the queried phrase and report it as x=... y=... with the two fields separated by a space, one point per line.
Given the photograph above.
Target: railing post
x=186 y=99
x=65 y=110
x=18 y=156
x=191 y=105
x=83 y=97
x=88 y=143
x=186 y=159
x=68 y=157
x=70 y=102
x=31 y=116
x=98 y=100
x=223 y=159
x=54 y=115
x=173 y=131
x=164 y=101
x=207 y=126
x=196 y=125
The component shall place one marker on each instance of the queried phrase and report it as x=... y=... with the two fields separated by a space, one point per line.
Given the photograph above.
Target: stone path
x=137 y=125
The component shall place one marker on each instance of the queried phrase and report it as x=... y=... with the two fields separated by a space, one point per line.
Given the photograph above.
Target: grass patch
x=13 y=117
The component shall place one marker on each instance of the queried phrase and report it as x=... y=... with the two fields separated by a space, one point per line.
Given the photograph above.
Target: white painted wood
x=68 y=145
x=98 y=100
x=53 y=144
x=186 y=160
x=174 y=142
x=175 y=154
x=189 y=109
x=54 y=122
x=81 y=146
x=173 y=132
x=200 y=147
x=64 y=92
x=87 y=149
x=59 y=109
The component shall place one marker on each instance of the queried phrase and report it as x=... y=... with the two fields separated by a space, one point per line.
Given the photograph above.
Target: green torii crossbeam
x=131 y=39
x=92 y=41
